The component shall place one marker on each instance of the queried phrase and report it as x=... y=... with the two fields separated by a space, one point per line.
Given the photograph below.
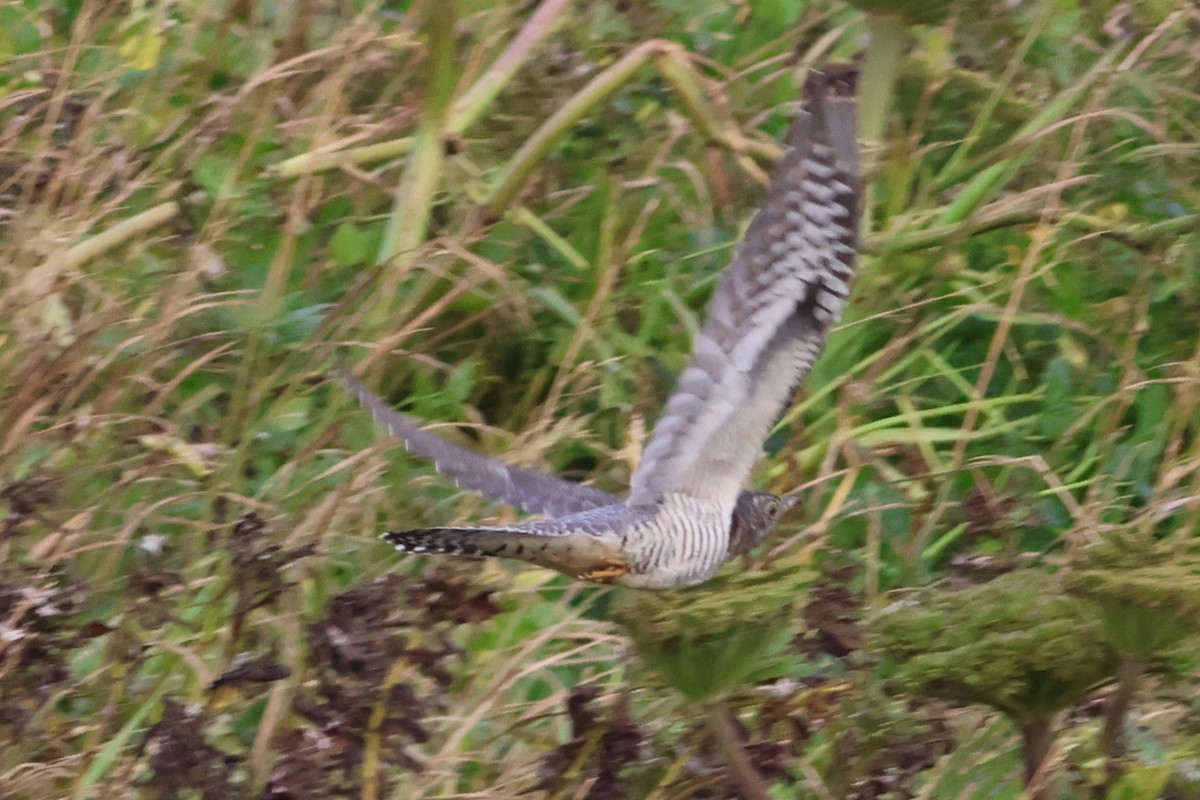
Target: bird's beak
x=789 y=502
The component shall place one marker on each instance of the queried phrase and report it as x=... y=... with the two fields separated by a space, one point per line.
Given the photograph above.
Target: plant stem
x=1036 y=740
x=120 y=233
x=723 y=728
x=1137 y=237
x=1112 y=743
x=545 y=21
x=507 y=185
x=889 y=35
x=408 y=222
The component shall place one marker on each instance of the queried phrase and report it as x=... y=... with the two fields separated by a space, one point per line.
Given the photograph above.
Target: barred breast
x=684 y=542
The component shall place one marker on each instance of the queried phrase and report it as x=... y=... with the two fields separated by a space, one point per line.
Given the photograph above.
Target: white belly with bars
x=684 y=542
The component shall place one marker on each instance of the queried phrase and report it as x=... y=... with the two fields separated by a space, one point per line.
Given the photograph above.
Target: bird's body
x=593 y=536
x=618 y=543
x=686 y=513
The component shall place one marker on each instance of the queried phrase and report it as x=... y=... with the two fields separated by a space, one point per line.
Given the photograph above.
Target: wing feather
x=531 y=491
x=769 y=315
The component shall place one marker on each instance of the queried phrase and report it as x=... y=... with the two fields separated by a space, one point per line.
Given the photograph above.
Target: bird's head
x=754 y=519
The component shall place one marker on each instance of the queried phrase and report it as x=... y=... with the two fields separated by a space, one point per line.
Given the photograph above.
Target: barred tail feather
x=577 y=555
x=470 y=542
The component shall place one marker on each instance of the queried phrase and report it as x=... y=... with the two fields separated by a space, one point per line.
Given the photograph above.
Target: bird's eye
x=773 y=509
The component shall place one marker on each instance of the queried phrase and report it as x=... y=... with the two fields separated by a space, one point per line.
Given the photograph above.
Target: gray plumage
x=765 y=326
x=754 y=517
x=531 y=491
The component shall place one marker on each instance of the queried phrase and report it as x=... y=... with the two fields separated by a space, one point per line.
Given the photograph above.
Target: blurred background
x=507 y=218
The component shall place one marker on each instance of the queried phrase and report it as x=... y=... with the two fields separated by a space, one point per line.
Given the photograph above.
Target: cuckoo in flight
x=686 y=513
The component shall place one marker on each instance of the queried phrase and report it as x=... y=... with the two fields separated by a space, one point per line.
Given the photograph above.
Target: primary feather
x=768 y=317
x=531 y=491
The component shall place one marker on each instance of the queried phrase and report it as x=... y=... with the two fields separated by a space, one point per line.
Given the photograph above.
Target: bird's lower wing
x=769 y=315
x=531 y=491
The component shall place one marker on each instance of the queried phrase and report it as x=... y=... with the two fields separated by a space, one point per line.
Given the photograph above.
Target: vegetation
x=508 y=216
x=991 y=645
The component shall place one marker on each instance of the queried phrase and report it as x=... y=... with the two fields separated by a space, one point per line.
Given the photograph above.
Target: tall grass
x=508 y=218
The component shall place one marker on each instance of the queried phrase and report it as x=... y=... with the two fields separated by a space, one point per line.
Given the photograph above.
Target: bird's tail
x=470 y=542
x=579 y=555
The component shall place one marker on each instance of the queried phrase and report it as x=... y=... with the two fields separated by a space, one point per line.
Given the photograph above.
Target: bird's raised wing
x=769 y=315
x=532 y=492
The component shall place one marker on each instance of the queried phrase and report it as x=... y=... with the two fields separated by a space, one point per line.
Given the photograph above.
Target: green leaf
x=212 y=172
x=350 y=245
x=18 y=35
x=1141 y=783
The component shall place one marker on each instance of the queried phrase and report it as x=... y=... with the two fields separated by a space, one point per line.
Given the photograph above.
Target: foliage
x=1148 y=591
x=508 y=217
x=712 y=640
x=1017 y=644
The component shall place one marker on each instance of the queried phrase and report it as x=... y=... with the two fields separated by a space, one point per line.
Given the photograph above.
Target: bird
x=686 y=514
x=754 y=517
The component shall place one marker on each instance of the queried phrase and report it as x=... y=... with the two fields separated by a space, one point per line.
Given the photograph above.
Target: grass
x=508 y=217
